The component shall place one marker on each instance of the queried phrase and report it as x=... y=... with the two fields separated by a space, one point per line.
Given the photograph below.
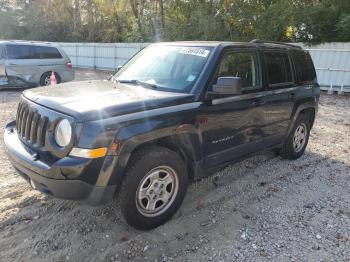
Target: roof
x=253 y=43
x=24 y=42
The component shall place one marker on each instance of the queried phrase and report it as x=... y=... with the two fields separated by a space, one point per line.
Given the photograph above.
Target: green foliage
x=311 y=21
x=343 y=27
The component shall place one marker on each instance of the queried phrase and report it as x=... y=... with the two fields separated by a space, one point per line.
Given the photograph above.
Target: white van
x=30 y=64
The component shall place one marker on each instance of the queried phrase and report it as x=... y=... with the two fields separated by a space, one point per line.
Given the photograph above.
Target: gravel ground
x=261 y=209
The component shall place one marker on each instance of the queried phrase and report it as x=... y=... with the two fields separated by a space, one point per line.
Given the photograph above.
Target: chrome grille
x=31 y=126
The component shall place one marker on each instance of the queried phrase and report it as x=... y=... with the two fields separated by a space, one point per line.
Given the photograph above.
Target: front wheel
x=154 y=187
x=296 y=143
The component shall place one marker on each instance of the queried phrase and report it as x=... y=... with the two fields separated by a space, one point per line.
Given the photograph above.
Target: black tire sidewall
x=144 y=162
x=289 y=148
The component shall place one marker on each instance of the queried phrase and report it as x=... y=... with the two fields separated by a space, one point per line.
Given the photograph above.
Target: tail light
x=69 y=65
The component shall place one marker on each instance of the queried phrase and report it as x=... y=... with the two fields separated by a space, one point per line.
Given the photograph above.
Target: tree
x=311 y=21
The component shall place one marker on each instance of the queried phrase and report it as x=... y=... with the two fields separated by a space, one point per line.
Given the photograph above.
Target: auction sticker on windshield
x=195 y=51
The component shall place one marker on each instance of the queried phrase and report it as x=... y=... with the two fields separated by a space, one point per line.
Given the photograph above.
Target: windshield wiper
x=138 y=82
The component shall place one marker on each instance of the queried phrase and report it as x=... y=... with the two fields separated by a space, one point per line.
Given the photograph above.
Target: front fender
x=176 y=124
x=185 y=137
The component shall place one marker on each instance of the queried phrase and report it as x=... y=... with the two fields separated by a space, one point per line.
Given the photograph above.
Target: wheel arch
x=310 y=113
x=307 y=108
x=188 y=151
x=118 y=165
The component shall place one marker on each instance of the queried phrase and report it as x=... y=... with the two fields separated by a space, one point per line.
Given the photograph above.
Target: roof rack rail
x=27 y=41
x=258 y=41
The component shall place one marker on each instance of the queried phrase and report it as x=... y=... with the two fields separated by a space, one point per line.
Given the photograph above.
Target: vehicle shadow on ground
x=47 y=225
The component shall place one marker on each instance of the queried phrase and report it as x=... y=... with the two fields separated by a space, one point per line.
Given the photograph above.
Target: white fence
x=332 y=63
x=101 y=55
x=332 y=60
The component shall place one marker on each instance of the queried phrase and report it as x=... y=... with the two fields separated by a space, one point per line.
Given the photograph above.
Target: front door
x=3 y=77
x=233 y=123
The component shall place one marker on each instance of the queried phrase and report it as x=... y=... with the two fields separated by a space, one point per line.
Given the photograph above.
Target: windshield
x=169 y=68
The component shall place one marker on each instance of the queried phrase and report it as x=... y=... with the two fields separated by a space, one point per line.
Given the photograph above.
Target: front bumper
x=53 y=179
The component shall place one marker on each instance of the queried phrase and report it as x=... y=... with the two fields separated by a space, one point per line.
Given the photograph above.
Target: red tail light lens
x=69 y=65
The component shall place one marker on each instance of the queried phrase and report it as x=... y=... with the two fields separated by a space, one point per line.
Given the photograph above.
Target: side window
x=304 y=67
x=46 y=52
x=20 y=52
x=243 y=65
x=278 y=68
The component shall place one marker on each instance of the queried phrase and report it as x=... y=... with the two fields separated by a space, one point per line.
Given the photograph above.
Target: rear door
x=3 y=77
x=280 y=94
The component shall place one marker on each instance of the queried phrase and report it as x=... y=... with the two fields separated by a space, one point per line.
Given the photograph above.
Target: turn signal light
x=89 y=153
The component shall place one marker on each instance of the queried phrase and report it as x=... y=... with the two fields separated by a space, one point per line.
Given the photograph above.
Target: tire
x=43 y=79
x=154 y=163
x=297 y=140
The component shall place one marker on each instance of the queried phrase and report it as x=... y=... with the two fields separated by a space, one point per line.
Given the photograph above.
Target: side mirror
x=228 y=86
x=118 y=68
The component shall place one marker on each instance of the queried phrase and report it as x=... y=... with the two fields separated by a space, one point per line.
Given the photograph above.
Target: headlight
x=63 y=133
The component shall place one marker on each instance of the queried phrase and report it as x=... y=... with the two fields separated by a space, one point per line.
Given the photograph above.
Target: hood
x=91 y=100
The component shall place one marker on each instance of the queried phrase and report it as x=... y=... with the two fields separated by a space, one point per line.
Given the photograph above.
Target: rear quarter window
x=20 y=52
x=46 y=52
x=304 y=67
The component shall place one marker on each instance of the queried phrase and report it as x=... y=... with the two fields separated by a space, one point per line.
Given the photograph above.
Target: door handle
x=258 y=102
x=291 y=95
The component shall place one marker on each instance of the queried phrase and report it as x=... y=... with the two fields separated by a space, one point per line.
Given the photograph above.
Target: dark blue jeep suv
x=175 y=112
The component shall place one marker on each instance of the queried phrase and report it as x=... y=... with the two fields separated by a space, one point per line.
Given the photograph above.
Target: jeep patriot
x=176 y=112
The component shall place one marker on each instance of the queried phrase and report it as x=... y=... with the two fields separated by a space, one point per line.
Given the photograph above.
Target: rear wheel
x=297 y=140
x=45 y=79
x=154 y=187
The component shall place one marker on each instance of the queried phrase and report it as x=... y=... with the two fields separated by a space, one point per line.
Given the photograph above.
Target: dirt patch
x=263 y=208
